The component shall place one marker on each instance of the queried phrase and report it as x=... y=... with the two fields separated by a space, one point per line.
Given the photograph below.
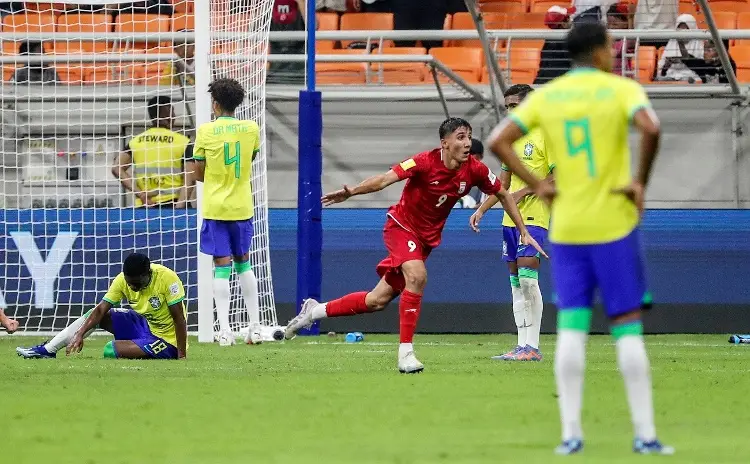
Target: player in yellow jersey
x=224 y=154
x=523 y=261
x=154 y=328
x=584 y=117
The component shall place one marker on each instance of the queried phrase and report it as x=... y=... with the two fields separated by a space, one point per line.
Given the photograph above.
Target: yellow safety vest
x=158 y=155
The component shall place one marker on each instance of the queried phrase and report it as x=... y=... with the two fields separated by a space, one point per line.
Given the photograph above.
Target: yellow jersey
x=584 y=117
x=228 y=146
x=153 y=302
x=158 y=156
x=532 y=151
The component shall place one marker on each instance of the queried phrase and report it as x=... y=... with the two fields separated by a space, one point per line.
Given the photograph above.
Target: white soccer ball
x=254 y=337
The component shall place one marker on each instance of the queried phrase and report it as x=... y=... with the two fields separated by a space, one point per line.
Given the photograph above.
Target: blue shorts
x=615 y=268
x=512 y=249
x=226 y=238
x=129 y=325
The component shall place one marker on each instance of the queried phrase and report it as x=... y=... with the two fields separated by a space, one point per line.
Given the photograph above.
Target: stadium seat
x=183 y=21
x=464 y=61
x=399 y=73
x=83 y=22
x=341 y=72
x=741 y=56
x=183 y=6
x=8 y=72
x=366 y=22
x=541 y=6
x=463 y=21
x=739 y=6
x=149 y=74
x=502 y=6
x=326 y=22
x=139 y=22
x=72 y=74
x=525 y=21
x=743 y=22
x=524 y=64
x=29 y=22
x=723 y=19
x=44 y=7
x=646 y=61
x=688 y=8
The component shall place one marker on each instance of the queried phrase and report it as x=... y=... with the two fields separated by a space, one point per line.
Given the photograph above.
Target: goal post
x=76 y=89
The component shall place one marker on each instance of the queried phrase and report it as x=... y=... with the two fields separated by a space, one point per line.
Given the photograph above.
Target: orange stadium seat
x=741 y=56
x=541 y=6
x=462 y=21
x=29 y=22
x=464 y=61
x=140 y=22
x=502 y=6
x=646 y=61
x=399 y=73
x=524 y=64
x=183 y=6
x=366 y=22
x=341 y=72
x=326 y=22
x=40 y=7
x=183 y=21
x=526 y=21
x=8 y=72
x=743 y=22
x=83 y=22
x=723 y=19
x=739 y=6
x=72 y=73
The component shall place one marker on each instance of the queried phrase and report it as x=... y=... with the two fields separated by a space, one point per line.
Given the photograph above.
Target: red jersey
x=432 y=190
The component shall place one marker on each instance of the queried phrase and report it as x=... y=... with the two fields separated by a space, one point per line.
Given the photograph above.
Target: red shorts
x=402 y=246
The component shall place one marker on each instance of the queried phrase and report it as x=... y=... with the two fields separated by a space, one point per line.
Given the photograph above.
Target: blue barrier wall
x=695 y=257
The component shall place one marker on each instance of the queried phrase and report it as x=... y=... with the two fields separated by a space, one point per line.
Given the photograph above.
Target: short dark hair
x=584 y=39
x=477 y=148
x=136 y=265
x=155 y=104
x=519 y=89
x=450 y=126
x=228 y=93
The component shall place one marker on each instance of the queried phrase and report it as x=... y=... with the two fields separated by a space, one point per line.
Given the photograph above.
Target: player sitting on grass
x=596 y=208
x=523 y=261
x=224 y=154
x=435 y=181
x=11 y=325
x=155 y=327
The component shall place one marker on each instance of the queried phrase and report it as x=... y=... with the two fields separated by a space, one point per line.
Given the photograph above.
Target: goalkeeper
x=155 y=327
x=224 y=154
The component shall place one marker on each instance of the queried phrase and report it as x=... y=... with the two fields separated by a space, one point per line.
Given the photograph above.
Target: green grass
x=318 y=400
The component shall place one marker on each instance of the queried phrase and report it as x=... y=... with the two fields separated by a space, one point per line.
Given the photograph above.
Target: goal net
x=98 y=117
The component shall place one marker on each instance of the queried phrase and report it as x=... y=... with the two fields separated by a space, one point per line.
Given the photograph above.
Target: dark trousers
x=419 y=14
x=381 y=6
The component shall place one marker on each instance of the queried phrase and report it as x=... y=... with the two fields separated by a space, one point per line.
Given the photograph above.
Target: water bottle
x=354 y=337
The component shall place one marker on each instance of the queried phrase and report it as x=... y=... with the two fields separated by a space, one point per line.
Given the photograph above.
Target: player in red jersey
x=435 y=181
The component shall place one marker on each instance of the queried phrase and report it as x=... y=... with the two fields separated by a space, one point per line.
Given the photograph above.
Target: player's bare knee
x=416 y=280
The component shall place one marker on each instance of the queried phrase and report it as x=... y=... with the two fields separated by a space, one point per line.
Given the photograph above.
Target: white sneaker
x=303 y=320
x=409 y=364
x=226 y=338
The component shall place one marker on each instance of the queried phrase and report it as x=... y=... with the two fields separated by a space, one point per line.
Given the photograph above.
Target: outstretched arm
x=509 y=205
x=369 y=185
x=92 y=321
x=11 y=325
x=180 y=328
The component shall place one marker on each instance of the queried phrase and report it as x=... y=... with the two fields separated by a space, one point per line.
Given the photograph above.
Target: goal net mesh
x=80 y=151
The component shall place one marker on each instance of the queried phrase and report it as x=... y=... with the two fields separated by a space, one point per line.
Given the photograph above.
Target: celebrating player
x=523 y=261
x=224 y=154
x=11 y=325
x=436 y=180
x=155 y=327
x=584 y=116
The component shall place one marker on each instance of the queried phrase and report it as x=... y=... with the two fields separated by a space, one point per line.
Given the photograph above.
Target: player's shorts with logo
x=129 y=325
x=226 y=238
x=403 y=245
x=514 y=249
x=615 y=268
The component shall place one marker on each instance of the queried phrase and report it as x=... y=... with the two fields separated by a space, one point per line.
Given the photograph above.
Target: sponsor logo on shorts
x=154 y=302
x=505 y=249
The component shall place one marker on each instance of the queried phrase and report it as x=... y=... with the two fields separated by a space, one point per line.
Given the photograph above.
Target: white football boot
x=303 y=320
x=226 y=338
x=408 y=363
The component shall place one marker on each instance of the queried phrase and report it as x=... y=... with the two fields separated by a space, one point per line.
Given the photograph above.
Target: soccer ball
x=254 y=337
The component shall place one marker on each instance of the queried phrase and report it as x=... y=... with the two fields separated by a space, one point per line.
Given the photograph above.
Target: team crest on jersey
x=154 y=301
x=528 y=149
x=461 y=187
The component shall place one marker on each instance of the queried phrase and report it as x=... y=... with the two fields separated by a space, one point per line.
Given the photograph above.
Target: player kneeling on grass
x=154 y=329
x=436 y=180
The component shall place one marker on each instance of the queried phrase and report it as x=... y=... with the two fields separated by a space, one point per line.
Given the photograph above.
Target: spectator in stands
x=671 y=66
x=655 y=14
x=591 y=10
x=287 y=15
x=7 y=8
x=554 y=56
x=34 y=72
x=336 y=6
x=709 y=69
x=376 y=6
x=157 y=164
x=182 y=70
x=145 y=6
x=617 y=18
x=419 y=14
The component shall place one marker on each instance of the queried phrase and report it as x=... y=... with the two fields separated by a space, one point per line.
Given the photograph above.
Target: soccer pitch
x=319 y=400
